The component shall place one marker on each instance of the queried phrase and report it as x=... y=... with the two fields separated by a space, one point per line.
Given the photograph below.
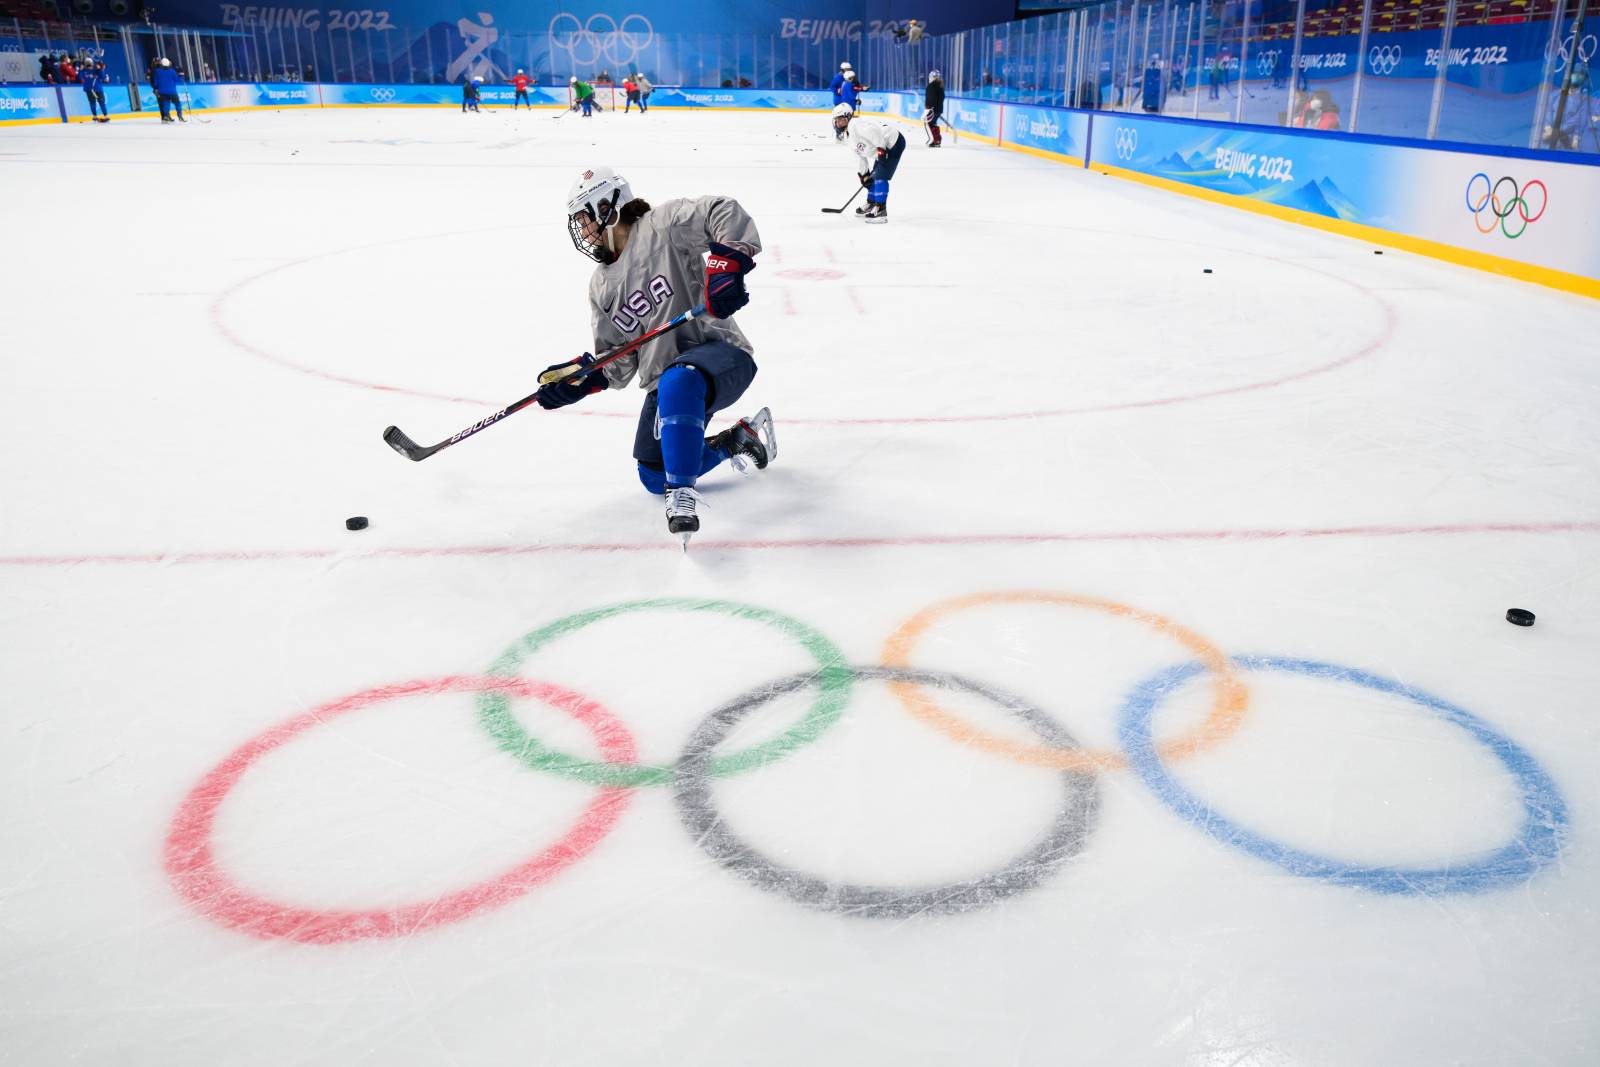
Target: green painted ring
x=834 y=678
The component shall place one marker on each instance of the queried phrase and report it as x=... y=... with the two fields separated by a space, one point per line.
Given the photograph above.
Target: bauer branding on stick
x=1519 y=617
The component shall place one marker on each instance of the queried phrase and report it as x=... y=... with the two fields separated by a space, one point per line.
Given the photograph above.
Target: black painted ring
x=1065 y=838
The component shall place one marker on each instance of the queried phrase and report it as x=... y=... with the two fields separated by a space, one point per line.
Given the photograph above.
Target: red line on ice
x=1582 y=526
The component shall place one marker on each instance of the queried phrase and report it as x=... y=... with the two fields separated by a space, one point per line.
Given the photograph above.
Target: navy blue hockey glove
x=725 y=271
x=558 y=392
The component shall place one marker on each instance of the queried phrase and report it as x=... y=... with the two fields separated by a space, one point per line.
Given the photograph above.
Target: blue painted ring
x=1537 y=843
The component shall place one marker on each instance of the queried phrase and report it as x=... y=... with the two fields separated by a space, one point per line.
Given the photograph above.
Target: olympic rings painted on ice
x=1227 y=707
x=195 y=873
x=832 y=694
x=1065 y=838
x=192 y=867
x=1537 y=843
x=1500 y=206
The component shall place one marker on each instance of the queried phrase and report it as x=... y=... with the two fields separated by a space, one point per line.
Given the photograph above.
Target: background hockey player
x=520 y=83
x=850 y=92
x=582 y=95
x=91 y=77
x=631 y=89
x=652 y=268
x=645 y=89
x=878 y=147
x=164 y=80
x=933 y=107
x=469 y=95
x=838 y=84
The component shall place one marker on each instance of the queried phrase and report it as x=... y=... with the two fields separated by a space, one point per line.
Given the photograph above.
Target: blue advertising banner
x=118 y=102
x=812 y=20
x=21 y=106
x=435 y=96
x=1048 y=130
x=755 y=99
x=246 y=95
x=1530 y=207
x=980 y=117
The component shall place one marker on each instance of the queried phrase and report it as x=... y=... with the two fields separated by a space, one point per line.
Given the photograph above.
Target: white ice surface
x=1024 y=382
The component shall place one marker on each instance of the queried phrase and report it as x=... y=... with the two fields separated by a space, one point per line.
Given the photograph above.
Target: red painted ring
x=192 y=866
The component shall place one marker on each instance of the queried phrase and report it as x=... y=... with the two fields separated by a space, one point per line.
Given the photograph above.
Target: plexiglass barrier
x=1493 y=72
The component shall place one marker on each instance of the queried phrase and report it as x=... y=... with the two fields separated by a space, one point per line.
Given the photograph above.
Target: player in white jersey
x=653 y=267
x=878 y=147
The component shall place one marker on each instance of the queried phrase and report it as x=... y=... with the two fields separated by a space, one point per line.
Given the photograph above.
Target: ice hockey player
x=850 y=92
x=838 y=83
x=521 y=82
x=469 y=95
x=645 y=89
x=933 y=107
x=582 y=95
x=652 y=268
x=164 y=80
x=91 y=78
x=877 y=147
x=631 y=88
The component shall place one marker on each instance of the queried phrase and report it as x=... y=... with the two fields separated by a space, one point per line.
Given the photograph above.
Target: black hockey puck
x=1208 y=270
x=1377 y=251
x=1519 y=617
x=356 y=522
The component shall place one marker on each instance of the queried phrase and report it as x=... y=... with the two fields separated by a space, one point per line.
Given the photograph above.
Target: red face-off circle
x=192 y=866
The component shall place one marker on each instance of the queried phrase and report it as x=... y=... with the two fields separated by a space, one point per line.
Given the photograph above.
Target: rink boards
x=1519 y=212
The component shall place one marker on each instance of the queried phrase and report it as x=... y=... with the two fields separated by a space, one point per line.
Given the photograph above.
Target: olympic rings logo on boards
x=1384 y=58
x=1502 y=206
x=1266 y=61
x=617 y=774
x=1127 y=142
x=381 y=95
x=601 y=37
x=1585 y=49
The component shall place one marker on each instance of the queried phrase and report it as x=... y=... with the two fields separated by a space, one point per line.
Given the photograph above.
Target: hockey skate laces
x=682 y=500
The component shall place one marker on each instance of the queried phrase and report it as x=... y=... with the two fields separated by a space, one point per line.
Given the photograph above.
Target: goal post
x=607 y=97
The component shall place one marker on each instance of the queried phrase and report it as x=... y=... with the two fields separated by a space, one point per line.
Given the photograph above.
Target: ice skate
x=876 y=213
x=748 y=441
x=682 y=516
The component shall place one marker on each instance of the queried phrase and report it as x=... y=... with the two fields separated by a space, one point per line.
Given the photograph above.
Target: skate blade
x=684 y=537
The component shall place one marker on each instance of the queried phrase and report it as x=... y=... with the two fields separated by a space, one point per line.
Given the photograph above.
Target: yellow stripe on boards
x=1466 y=257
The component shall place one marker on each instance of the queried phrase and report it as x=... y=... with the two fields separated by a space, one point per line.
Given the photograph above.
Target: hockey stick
x=955 y=138
x=847 y=203
x=396 y=439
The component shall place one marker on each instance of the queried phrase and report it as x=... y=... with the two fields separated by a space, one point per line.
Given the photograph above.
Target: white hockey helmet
x=477 y=77
x=519 y=70
x=842 y=114
x=593 y=205
x=845 y=65
x=165 y=62
x=849 y=75
x=935 y=76
x=572 y=80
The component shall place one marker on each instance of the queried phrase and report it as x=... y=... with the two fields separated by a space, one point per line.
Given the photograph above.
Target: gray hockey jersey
x=660 y=274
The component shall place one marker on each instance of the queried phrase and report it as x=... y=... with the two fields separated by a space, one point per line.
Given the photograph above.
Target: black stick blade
x=396 y=439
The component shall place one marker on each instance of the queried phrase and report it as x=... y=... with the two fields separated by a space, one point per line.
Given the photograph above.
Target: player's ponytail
x=633 y=211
